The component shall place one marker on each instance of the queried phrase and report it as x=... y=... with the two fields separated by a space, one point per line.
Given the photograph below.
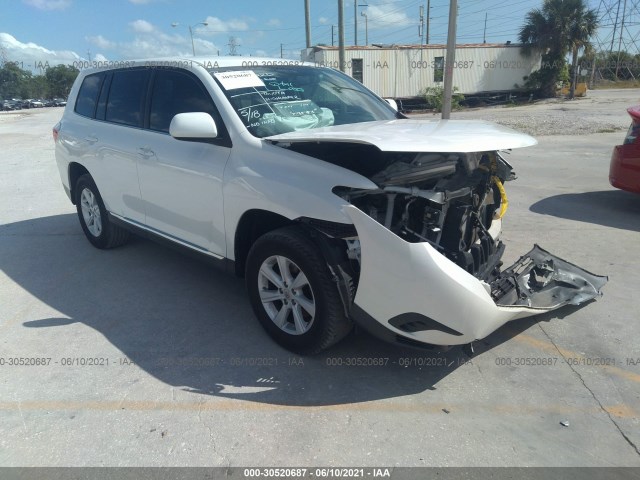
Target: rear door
x=110 y=109
x=181 y=181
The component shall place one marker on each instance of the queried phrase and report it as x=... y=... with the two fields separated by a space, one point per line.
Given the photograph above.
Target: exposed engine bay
x=449 y=200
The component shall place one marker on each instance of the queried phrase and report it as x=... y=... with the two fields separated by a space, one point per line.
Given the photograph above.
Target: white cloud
x=141 y=26
x=323 y=20
x=101 y=42
x=48 y=4
x=274 y=22
x=150 y=41
x=217 y=26
x=31 y=54
x=386 y=15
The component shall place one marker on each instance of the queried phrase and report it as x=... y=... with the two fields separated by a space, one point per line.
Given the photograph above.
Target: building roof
x=378 y=46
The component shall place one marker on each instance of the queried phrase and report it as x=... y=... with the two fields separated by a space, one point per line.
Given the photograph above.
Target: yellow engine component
x=504 y=201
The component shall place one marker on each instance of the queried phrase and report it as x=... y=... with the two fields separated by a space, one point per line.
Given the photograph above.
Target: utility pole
x=341 y=35
x=332 y=38
x=307 y=21
x=484 y=35
x=450 y=58
x=281 y=45
x=355 y=22
x=366 y=28
x=428 y=17
x=421 y=26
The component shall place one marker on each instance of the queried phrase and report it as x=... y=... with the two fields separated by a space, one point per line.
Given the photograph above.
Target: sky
x=35 y=32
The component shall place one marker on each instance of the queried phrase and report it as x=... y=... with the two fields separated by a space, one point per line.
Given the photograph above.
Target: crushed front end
x=428 y=252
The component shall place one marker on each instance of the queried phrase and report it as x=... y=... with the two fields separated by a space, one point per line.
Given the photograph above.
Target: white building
x=405 y=70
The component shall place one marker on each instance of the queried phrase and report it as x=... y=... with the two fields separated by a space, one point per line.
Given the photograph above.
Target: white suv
x=333 y=206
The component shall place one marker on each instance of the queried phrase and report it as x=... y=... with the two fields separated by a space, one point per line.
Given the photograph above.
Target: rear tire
x=292 y=292
x=94 y=218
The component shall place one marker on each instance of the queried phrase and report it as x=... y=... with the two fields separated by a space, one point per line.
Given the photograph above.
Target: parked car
x=36 y=103
x=59 y=102
x=10 y=105
x=334 y=207
x=624 y=169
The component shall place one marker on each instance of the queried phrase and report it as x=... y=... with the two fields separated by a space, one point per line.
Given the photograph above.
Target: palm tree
x=558 y=28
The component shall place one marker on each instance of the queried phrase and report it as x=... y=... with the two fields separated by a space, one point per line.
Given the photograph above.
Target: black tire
x=329 y=323
x=109 y=235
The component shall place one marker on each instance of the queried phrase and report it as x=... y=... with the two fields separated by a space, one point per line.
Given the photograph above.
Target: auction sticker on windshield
x=240 y=79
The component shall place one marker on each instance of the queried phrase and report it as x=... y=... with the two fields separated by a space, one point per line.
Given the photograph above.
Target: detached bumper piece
x=542 y=280
x=411 y=294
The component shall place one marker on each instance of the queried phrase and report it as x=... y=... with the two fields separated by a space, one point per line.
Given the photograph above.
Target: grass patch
x=618 y=84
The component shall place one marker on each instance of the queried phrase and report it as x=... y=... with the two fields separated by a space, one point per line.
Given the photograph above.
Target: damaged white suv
x=333 y=206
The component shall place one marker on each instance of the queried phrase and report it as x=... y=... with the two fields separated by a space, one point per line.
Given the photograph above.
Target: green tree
x=60 y=79
x=13 y=80
x=584 y=24
x=558 y=28
x=36 y=87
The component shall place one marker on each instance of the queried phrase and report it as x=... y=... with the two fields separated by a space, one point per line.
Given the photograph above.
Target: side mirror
x=393 y=103
x=193 y=126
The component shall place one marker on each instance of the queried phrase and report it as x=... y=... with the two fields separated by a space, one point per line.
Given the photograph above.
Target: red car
x=624 y=171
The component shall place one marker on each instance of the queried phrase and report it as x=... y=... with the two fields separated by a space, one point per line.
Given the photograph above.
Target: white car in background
x=333 y=206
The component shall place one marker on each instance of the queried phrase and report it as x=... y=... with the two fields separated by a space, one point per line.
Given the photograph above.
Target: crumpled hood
x=409 y=135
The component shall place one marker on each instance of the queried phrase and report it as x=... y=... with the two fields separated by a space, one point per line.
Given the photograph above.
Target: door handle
x=146 y=152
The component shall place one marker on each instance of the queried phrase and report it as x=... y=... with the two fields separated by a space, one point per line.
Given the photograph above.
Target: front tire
x=292 y=292
x=93 y=216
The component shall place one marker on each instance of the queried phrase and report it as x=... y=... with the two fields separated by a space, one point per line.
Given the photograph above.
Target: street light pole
x=193 y=47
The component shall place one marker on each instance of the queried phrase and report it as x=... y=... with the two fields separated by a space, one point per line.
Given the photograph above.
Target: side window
x=102 y=100
x=127 y=97
x=438 y=69
x=88 y=95
x=176 y=92
x=356 y=69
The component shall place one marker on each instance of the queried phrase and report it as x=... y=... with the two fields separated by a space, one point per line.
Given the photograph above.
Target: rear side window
x=127 y=97
x=88 y=95
x=176 y=92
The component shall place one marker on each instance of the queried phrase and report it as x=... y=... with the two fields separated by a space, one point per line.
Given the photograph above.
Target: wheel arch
x=76 y=170
x=251 y=226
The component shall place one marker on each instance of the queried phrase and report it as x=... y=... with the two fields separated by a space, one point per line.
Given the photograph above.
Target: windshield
x=281 y=99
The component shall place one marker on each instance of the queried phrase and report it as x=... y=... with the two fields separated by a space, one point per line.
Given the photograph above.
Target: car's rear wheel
x=93 y=216
x=292 y=292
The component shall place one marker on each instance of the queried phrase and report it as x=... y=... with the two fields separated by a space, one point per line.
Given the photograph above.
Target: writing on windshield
x=278 y=100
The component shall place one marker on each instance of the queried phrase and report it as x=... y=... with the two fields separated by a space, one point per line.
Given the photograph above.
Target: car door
x=114 y=103
x=181 y=181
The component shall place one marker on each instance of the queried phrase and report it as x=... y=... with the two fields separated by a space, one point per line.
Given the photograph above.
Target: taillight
x=55 y=131
x=634 y=130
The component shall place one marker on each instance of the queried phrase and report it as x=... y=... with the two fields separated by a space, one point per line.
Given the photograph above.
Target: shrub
x=435 y=98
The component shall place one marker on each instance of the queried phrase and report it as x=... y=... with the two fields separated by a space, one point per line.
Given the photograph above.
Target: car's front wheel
x=292 y=292
x=93 y=216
